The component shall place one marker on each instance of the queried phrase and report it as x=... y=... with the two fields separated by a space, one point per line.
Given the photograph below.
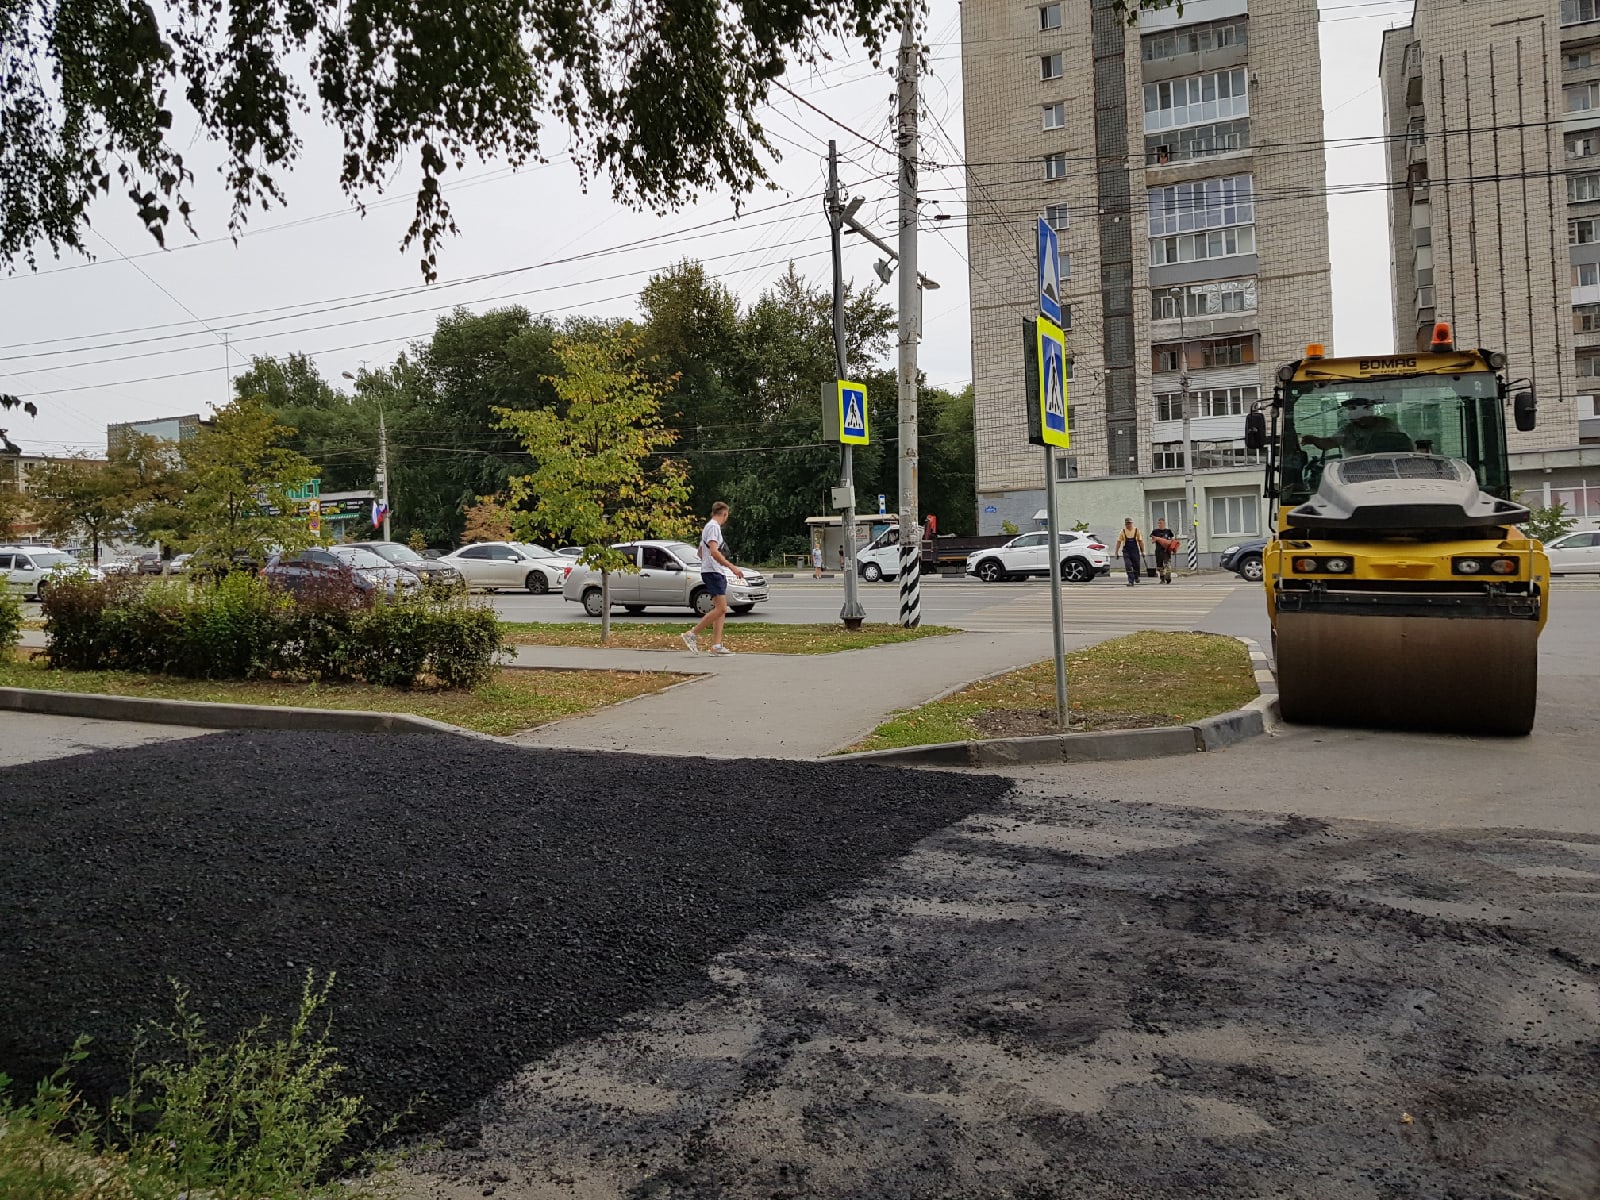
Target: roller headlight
x=1336 y=566
x=1489 y=565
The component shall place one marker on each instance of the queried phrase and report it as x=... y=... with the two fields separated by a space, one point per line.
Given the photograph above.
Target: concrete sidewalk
x=779 y=705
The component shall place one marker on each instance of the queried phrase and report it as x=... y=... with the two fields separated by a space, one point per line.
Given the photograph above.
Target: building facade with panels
x=1493 y=117
x=1180 y=159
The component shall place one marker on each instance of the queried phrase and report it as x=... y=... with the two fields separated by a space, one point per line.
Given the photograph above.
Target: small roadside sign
x=844 y=412
x=882 y=504
x=314 y=518
x=1047 y=385
x=1049 y=273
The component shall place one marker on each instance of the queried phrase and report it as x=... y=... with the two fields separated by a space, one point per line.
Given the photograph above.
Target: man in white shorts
x=713 y=564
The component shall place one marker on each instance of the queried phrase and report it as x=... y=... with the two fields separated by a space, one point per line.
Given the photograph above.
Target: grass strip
x=1143 y=680
x=744 y=637
x=516 y=698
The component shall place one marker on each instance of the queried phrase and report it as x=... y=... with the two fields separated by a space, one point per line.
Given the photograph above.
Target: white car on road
x=1083 y=557
x=668 y=576
x=1575 y=553
x=29 y=570
x=495 y=565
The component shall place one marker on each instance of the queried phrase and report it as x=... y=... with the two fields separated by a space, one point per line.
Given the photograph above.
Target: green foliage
x=10 y=619
x=244 y=629
x=240 y=475
x=1009 y=528
x=1547 y=524
x=99 y=498
x=336 y=431
x=258 y=1118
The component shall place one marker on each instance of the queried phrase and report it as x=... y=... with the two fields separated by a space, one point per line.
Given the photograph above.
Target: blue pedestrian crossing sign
x=852 y=413
x=1052 y=384
x=1049 y=273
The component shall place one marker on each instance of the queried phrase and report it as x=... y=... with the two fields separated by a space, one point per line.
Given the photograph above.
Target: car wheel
x=990 y=571
x=702 y=601
x=1250 y=568
x=741 y=609
x=536 y=583
x=633 y=608
x=1076 y=570
x=593 y=604
x=871 y=572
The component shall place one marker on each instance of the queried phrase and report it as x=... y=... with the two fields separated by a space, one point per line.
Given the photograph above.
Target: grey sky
x=133 y=339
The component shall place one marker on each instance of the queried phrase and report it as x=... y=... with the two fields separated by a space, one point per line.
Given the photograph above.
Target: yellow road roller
x=1401 y=591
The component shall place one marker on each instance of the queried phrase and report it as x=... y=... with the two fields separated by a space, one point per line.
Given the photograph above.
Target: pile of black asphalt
x=479 y=904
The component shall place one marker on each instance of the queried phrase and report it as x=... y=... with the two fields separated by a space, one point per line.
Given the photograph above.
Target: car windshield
x=353 y=556
x=685 y=552
x=395 y=552
x=534 y=550
x=47 y=560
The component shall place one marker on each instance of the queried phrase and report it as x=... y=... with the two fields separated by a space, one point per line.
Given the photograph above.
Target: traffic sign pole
x=1053 y=523
x=1050 y=427
x=852 y=614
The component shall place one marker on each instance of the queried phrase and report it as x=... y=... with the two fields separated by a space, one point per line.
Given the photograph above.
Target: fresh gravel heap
x=481 y=904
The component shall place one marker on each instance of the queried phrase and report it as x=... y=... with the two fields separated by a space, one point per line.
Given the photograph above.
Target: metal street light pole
x=852 y=614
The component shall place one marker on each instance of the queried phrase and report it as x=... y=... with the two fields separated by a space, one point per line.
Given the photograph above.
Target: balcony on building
x=1413 y=68
x=1579 y=12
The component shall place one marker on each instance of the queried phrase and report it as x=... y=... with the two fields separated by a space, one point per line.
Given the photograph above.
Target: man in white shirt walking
x=714 y=571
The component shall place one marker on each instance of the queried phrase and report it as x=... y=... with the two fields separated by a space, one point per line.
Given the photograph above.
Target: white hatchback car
x=1083 y=557
x=1575 y=553
x=668 y=576
x=30 y=569
x=495 y=565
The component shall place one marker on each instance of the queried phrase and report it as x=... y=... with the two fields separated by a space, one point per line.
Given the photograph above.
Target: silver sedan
x=667 y=575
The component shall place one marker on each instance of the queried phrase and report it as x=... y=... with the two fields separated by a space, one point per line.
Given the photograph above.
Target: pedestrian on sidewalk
x=1166 y=549
x=816 y=561
x=714 y=571
x=1130 y=545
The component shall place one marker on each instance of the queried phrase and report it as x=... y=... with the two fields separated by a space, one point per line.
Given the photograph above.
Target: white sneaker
x=691 y=641
x=719 y=648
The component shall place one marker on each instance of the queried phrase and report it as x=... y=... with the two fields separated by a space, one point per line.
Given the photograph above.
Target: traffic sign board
x=1049 y=273
x=1048 y=420
x=853 y=413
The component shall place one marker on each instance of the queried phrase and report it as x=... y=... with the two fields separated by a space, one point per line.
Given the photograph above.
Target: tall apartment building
x=1493 y=117
x=1180 y=159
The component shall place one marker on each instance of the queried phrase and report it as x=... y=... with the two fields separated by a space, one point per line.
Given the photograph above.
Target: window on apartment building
x=1578 y=12
x=1586 y=318
x=1424 y=297
x=1050 y=16
x=1577 y=60
x=1580 y=97
x=1194 y=39
x=1583 y=145
x=1066 y=465
x=1055 y=115
x=1589 y=366
x=1057 y=216
x=1197 y=141
x=1167 y=358
x=1203 y=204
x=1586 y=275
x=1231 y=515
x=1207 y=402
x=1220 y=456
x=1228 y=352
x=1222 y=298
x=1050 y=66
x=1583 y=187
x=1169 y=406
x=1166 y=456
x=1055 y=166
x=1170 y=511
x=1203 y=355
x=1066 y=323
x=1199 y=98
x=1066 y=266
x=1199 y=247
x=1583 y=230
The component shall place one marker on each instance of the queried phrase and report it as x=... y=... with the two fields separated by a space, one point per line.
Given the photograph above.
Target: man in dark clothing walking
x=1166 y=549
x=1130 y=545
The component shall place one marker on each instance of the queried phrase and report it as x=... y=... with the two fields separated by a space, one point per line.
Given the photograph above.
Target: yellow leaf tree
x=601 y=474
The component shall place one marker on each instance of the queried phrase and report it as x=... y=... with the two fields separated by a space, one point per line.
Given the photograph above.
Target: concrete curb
x=205 y=714
x=1212 y=733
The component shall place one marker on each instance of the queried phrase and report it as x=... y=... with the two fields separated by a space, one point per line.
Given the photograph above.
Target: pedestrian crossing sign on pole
x=1047 y=390
x=1049 y=273
x=844 y=413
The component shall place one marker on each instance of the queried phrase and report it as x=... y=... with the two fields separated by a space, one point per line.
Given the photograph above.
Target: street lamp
x=383 y=456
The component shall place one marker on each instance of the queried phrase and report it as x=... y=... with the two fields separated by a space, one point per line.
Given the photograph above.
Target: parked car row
x=30 y=570
x=493 y=566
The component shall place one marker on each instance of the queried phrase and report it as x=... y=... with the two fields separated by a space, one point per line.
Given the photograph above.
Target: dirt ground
x=1064 y=999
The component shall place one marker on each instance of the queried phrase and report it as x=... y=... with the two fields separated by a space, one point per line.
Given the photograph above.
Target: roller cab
x=1401 y=591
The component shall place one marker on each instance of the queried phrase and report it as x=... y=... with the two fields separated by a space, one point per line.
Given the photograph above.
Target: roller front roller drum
x=1439 y=674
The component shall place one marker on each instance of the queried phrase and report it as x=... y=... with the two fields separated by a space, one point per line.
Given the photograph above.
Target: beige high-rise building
x=1493 y=117
x=1180 y=160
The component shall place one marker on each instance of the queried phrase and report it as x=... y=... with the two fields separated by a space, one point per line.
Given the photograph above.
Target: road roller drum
x=1444 y=674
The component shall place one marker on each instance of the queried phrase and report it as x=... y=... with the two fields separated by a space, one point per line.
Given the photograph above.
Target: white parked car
x=1575 y=553
x=30 y=569
x=495 y=565
x=668 y=577
x=1083 y=557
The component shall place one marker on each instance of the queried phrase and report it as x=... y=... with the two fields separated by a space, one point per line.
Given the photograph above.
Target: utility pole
x=1188 y=446
x=910 y=331
x=383 y=469
x=852 y=614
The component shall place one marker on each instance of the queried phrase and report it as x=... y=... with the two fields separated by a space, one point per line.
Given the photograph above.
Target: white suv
x=29 y=569
x=1083 y=556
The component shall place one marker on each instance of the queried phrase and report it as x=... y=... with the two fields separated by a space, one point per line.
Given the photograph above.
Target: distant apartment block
x=1180 y=160
x=1493 y=122
x=166 y=429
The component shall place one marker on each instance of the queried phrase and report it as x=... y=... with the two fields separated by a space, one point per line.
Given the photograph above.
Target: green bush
x=243 y=628
x=10 y=619
x=260 y=1118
